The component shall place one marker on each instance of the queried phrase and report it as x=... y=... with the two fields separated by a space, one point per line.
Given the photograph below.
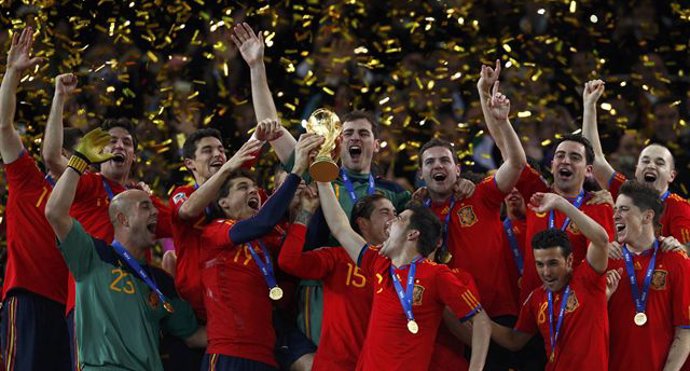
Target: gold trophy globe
x=326 y=124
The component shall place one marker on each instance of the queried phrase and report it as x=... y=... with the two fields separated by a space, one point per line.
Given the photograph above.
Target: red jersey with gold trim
x=530 y=183
x=583 y=340
x=675 y=219
x=188 y=242
x=90 y=208
x=389 y=345
x=668 y=307
x=347 y=298
x=34 y=262
x=449 y=352
x=239 y=310
x=475 y=239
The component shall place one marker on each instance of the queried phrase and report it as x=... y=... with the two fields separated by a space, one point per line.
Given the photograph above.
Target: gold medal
x=275 y=293
x=168 y=307
x=412 y=326
x=640 y=318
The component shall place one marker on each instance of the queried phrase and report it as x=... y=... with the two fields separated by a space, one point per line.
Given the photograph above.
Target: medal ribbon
x=108 y=190
x=405 y=296
x=138 y=269
x=265 y=266
x=446 y=222
x=665 y=196
x=640 y=299
x=561 y=313
x=351 y=189
x=514 y=246
x=577 y=203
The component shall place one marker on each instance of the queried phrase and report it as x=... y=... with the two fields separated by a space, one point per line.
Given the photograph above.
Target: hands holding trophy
x=326 y=124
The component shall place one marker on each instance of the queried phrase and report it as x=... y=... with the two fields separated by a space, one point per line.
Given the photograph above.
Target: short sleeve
x=527 y=320
x=531 y=182
x=593 y=281
x=367 y=259
x=681 y=290
x=489 y=193
x=217 y=233
x=164 y=226
x=680 y=220
x=23 y=173
x=615 y=183
x=181 y=323
x=179 y=196
x=456 y=295
x=79 y=251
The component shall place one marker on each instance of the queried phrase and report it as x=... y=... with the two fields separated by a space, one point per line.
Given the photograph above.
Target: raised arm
x=602 y=170
x=18 y=61
x=55 y=162
x=208 y=191
x=88 y=151
x=251 y=48
x=496 y=108
x=338 y=222
x=597 y=253
x=680 y=348
x=481 y=336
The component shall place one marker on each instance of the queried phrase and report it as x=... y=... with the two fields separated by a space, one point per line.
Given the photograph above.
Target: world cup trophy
x=326 y=124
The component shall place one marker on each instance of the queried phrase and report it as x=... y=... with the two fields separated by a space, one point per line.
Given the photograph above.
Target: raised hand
x=463 y=188
x=499 y=105
x=615 y=251
x=65 y=84
x=613 y=277
x=250 y=46
x=309 y=199
x=670 y=243
x=488 y=77
x=592 y=92
x=90 y=147
x=268 y=130
x=19 y=56
x=601 y=197
x=305 y=145
x=247 y=152
x=543 y=202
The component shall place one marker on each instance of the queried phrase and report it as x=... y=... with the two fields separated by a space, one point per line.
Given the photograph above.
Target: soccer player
x=238 y=272
x=34 y=331
x=655 y=167
x=121 y=302
x=347 y=292
x=473 y=231
x=569 y=310
x=410 y=291
x=514 y=225
x=652 y=301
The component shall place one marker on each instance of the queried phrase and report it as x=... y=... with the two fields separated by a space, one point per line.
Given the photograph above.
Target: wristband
x=77 y=163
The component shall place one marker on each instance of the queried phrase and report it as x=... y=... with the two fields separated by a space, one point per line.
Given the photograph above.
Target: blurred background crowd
x=171 y=66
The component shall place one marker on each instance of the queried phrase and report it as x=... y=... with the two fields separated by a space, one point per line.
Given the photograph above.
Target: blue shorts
x=219 y=362
x=34 y=333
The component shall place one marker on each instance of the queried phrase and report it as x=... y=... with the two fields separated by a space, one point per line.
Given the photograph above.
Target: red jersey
x=90 y=208
x=582 y=342
x=668 y=306
x=449 y=352
x=519 y=228
x=675 y=219
x=347 y=298
x=389 y=345
x=240 y=313
x=530 y=183
x=475 y=239
x=188 y=243
x=34 y=262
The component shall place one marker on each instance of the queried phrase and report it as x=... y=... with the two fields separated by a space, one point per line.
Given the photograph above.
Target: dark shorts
x=291 y=343
x=34 y=333
x=218 y=362
x=176 y=356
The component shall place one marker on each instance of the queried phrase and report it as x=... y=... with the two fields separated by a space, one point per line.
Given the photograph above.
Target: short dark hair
x=224 y=191
x=551 y=238
x=189 y=147
x=589 y=151
x=70 y=138
x=429 y=227
x=363 y=209
x=359 y=114
x=437 y=142
x=123 y=123
x=644 y=197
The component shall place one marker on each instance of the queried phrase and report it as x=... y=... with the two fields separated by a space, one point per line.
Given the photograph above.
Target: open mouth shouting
x=118 y=158
x=565 y=173
x=151 y=226
x=439 y=177
x=650 y=176
x=253 y=203
x=216 y=164
x=355 y=151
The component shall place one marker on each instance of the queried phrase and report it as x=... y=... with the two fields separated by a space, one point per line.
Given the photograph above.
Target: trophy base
x=324 y=170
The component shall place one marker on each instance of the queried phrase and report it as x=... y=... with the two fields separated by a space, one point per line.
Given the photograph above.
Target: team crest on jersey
x=179 y=198
x=417 y=294
x=572 y=303
x=659 y=279
x=467 y=216
x=153 y=300
x=573 y=228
